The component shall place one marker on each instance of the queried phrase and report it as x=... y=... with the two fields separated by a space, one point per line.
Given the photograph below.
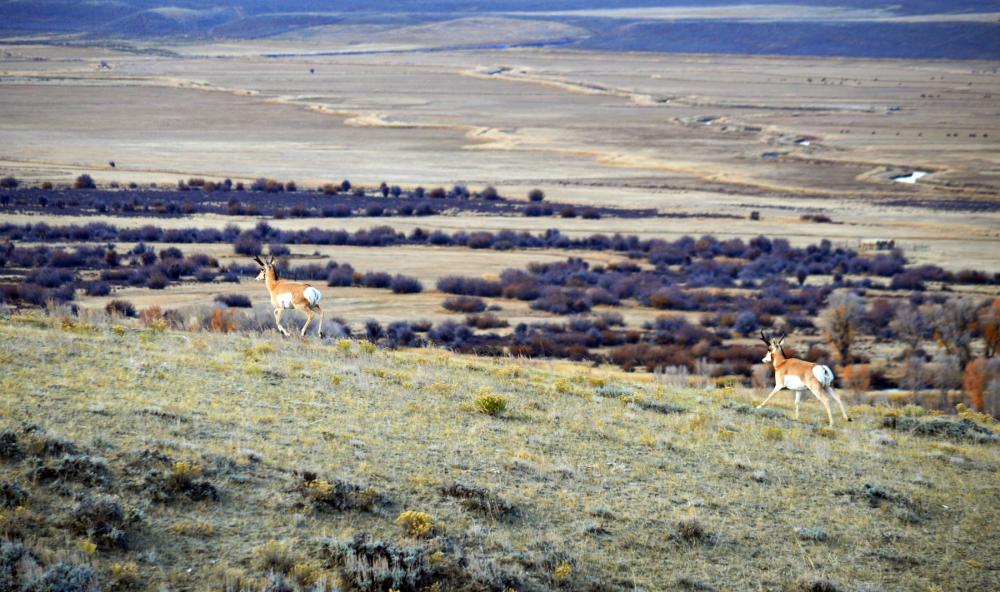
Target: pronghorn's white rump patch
x=312 y=295
x=284 y=300
x=793 y=383
x=823 y=374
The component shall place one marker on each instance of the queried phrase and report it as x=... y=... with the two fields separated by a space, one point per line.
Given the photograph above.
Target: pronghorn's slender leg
x=774 y=392
x=319 y=331
x=798 y=398
x=836 y=397
x=309 y=318
x=826 y=404
x=277 y=321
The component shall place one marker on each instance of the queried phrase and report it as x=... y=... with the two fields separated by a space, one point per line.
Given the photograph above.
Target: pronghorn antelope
x=286 y=295
x=798 y=375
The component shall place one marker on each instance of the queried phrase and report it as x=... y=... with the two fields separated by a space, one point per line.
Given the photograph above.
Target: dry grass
x=610 y=494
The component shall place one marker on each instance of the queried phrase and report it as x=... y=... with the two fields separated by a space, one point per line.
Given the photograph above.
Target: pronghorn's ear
x=270 y=260
x=781 y=339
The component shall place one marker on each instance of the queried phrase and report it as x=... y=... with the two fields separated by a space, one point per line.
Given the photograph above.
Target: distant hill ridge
x=626 y=26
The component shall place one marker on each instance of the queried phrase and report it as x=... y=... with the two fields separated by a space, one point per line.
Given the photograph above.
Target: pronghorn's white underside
x=285 y=300
x=794 y=383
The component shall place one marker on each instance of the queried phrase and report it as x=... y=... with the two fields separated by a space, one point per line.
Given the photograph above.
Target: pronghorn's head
x=773 y=346
x=264 y=267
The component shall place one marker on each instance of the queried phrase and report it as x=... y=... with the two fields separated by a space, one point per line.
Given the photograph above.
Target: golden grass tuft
x=773 y=433
x=490 y=403
x=416 y=524
x=274 y=556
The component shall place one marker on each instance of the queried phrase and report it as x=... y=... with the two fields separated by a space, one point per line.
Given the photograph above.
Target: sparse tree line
x=268 y=197
x=708 y=260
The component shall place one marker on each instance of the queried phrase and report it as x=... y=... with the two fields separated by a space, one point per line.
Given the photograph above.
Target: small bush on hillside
x=247 y=245
x=339 y=495
x=12 y=495
x=278 y=250
x=234 y=300
x=536 y=195
x=404 y=284
x=103 y=520
x=481 y=500
x=416 y=524
x=84 y=181
x=490 y=404
x=341 y=276
x=690 y=531
x=465 y=304
x=65 y=577
x=9 y=182
x=120 y=308
x=468 y=286
x=371 y=565
x=274 y=556
x=157 y=281
x=485 y=321
x=373 y=330
x=376 y=279
x=79 y=468
x=205 y=275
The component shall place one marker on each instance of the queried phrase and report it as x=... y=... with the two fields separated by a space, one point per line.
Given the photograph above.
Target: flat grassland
x=588 y=480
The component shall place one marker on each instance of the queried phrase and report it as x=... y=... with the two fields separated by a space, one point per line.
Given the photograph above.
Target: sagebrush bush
x=339 y=495
x=84 y=181
x=275 y=556
x=481 y=500
x=234 y=300
x=467 y=304
x=404 y=284
x=103 y=520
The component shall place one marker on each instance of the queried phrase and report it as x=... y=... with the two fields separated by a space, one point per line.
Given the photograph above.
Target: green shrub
x=491 y=404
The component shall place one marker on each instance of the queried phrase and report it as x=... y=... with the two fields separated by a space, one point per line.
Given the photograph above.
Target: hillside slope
x=214 y=445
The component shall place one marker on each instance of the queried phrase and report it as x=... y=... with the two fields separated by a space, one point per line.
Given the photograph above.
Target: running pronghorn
x=798 y=375
x=286 y=295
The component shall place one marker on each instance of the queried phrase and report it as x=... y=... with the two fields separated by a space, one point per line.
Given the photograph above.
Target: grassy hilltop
x=231 y=457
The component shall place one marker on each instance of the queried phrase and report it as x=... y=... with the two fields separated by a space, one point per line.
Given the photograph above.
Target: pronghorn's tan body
x=800 y=376
x=287 y=295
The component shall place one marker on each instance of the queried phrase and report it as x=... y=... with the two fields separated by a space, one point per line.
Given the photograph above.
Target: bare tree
x=947 y=377
x=955 y=326
x=842 y=321
x=909 y=326
x=915 y=374
x=989 y=328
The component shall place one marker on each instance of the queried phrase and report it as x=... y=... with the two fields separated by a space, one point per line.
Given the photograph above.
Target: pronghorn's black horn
x=257 y=259
x=764 y=337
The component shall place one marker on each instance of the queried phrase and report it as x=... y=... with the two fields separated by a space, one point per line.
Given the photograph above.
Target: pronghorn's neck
x=778 y=358
x=270 y=278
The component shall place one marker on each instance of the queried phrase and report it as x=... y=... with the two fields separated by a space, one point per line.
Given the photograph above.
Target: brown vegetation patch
x=964 y=429
x=482 y=500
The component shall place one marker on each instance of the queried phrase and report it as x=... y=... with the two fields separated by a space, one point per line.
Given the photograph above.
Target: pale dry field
x=481 y=117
